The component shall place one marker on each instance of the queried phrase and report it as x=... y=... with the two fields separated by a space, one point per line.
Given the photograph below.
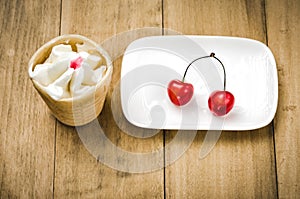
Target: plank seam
x=162 y=17
x=272 y=124
x=54 y=158
x=265 y=22
x=56 y=122
x=164 y=159
x=164 y=133
x=60 y=17
x=275 y=159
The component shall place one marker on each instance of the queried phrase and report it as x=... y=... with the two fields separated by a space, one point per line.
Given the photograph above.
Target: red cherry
x=220 y=102
x=180 y=93
x=76 y=63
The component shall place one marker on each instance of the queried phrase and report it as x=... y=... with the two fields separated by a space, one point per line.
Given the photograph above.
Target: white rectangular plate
x=150 y=63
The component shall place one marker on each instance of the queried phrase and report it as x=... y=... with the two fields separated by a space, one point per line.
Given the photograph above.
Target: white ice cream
x=60 y=81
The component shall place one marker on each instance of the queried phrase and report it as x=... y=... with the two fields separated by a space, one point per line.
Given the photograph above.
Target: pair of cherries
x=220 y=102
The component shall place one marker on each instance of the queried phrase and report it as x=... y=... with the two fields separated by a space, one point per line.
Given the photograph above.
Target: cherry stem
x=208 y=56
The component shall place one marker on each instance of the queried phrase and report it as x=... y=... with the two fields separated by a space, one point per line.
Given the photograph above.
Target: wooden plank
x=78 y=174
x=242 y=164
x=27 y=130
x=283 y=39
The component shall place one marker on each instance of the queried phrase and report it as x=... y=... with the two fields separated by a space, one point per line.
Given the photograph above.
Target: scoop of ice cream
x=67 y=73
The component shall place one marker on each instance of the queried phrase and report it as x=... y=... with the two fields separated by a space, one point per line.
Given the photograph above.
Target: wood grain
x=242 y=164
x=41 y=158
x=27 y=130
x=283 y=39
x=78 y=174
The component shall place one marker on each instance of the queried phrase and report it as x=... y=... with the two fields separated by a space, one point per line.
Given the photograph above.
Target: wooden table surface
x=42 y=158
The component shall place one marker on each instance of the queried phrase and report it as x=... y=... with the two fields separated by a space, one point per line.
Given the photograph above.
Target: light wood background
x=41 y=158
